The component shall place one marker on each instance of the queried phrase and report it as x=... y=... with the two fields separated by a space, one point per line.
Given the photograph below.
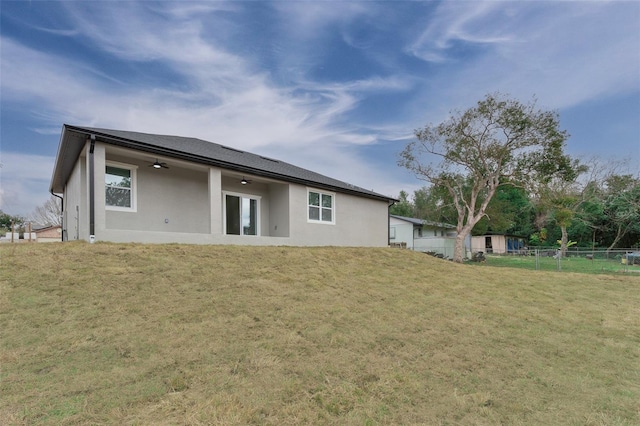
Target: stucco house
x=498 y=244
x=423 y=235
x=126 y=186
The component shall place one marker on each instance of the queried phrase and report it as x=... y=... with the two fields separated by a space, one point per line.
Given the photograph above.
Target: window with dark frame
x=118 y=187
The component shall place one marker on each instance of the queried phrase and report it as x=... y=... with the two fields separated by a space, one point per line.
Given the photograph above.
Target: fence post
x=558 y=256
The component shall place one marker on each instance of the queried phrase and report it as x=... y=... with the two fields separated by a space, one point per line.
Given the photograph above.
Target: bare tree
x=49 y=213
x=498 y=142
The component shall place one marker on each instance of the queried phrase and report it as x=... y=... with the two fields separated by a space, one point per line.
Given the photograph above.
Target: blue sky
x=336 y=87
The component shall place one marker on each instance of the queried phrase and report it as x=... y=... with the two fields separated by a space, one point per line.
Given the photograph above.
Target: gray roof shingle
x=196 y=150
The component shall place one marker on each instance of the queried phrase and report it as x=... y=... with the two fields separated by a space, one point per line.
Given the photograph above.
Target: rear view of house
x=125 y=186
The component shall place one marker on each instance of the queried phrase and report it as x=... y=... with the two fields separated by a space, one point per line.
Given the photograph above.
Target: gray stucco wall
x=279 y=211
x=359 y=221
x=75 y=217
x=183 y=204
x=168 y=200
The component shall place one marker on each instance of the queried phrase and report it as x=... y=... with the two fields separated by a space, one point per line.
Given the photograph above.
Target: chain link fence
x=550 y=259
x=574 y=260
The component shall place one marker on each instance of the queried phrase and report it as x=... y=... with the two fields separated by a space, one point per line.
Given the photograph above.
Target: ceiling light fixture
x=244 y=181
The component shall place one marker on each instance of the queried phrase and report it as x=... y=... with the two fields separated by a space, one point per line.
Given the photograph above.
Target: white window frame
x=333 y=207
x=241 y=195
x=392 y=232
x=133 y=169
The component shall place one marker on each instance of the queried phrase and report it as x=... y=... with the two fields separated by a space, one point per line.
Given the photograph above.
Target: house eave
x=423 y=222
x=66 y=157
x=64 y=164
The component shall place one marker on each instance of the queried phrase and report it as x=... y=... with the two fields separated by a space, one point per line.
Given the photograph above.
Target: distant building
x=498 y=244
x=48 y=234
x=424 y=235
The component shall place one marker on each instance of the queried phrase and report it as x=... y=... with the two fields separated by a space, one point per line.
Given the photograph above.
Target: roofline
x=141 y=146
x=46 y=228
x=498 y=234
x=423 y=222
x=58 y=158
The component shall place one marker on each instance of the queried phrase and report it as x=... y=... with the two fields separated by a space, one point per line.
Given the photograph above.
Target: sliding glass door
x=241 y=214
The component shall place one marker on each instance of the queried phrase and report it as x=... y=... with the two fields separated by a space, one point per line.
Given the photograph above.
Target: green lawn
x=177 y=334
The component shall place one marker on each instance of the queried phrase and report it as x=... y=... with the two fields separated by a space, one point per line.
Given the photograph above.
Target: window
x=392 y=233
x=321 y=207
x=120 y=187
x=241 y=214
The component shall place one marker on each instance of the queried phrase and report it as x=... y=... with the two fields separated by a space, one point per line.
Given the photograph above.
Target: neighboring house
x=125 y=186
x=498 y=244
x=48 y=234
x=423 y=235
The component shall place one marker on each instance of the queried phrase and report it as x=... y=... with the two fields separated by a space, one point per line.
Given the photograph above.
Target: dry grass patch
x=175 y=334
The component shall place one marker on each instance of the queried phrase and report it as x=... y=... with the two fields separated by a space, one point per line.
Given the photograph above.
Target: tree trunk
x=618 y=237
x=564 y=241
x=459 y=249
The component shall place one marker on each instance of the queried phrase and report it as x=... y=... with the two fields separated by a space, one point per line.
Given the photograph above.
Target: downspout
x=92 y=224
x=391 y=204
x=62 y=221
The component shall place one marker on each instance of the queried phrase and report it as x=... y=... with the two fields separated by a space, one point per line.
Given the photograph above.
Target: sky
x=334 y=87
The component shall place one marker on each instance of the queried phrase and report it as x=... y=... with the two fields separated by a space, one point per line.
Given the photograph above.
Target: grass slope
x=174 y=334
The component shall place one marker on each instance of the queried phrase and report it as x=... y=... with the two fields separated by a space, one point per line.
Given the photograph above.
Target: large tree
x=500 y=141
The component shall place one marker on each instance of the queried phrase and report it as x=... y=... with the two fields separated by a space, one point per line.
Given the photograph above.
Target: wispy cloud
x=561 y=52
x=452 y=23
x=238 y=112
x=315 y=20
x=24 y=181
x=226 y=99
x=241 y=102
x=247 y=74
